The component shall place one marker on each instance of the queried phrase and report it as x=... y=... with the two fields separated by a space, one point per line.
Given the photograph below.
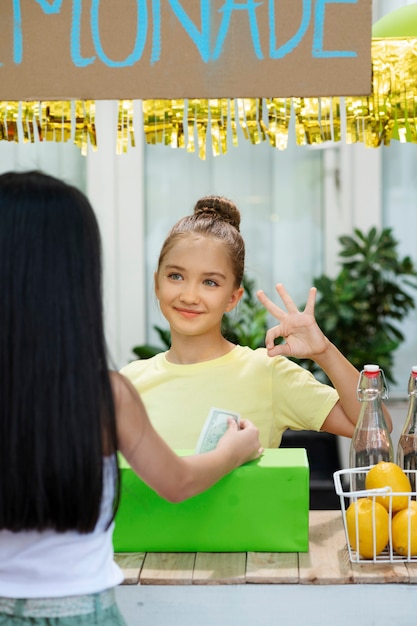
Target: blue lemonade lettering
x=17 y=33
x=49 y=9
x=75 y=44
x=227 y=10
x=156 y=31
x=201 y=39
x=141 y=32
x=318 y=51
x=282 y=51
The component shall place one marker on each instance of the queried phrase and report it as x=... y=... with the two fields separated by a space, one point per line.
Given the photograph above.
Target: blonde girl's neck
x=190 y=350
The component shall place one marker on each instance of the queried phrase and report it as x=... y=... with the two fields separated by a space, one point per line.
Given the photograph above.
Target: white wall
x=115 y=187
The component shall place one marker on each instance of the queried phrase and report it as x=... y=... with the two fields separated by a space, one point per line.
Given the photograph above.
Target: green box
x=261 y=506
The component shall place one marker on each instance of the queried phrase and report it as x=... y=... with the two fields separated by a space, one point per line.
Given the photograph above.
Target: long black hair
x=57 y=418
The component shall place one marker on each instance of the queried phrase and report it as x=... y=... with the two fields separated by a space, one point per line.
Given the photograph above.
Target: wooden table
x=319 y=587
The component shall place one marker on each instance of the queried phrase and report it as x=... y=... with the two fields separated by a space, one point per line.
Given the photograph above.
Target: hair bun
x=218 y=207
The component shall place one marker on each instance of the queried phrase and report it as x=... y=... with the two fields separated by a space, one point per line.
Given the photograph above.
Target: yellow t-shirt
x=274 y=393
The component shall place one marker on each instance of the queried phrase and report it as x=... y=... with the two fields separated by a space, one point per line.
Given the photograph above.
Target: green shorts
x=98 y=609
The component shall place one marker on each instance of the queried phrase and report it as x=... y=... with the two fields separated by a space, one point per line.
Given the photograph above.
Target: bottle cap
x=371 y=370
x=414 y=371
x=372 y=380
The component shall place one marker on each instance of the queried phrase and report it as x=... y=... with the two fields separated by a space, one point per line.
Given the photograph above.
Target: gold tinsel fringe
x=125 y=129
x=58 y=121
x=389 y=112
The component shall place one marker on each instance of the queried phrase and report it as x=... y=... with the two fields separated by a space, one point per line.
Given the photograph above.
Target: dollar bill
x=214 y=428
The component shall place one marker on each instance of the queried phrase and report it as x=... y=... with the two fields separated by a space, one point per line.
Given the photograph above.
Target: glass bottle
x=371 y=441
x=407 y=444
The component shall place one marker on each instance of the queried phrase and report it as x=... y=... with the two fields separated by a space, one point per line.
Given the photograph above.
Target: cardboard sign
x=155 y=49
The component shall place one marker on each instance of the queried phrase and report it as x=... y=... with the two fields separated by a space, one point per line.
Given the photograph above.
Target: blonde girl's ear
x=234 y=299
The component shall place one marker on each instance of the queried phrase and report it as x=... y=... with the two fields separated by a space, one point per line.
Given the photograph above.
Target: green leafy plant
x=360 y=309
x=246 y=325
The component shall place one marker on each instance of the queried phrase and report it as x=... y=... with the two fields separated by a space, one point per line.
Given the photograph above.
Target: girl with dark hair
x=63 y=416
x=198 y=279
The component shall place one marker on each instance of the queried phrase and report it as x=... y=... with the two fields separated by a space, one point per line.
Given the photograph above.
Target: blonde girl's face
x=195 y=285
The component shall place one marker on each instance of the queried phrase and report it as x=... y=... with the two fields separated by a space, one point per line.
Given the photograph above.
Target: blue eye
x=175 y=276
x=211 y=283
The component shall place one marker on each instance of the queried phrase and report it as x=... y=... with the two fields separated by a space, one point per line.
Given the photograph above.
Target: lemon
x=387 y=474
x=365 y=511
x=402 y=522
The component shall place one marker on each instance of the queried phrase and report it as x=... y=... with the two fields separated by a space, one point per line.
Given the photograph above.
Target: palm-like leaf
x=359 y=310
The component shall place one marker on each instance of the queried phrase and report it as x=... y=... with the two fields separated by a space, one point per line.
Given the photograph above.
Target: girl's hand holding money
x=243 y=441
x=303 y=337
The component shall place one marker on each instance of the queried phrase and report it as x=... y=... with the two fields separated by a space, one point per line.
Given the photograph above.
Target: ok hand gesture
x=303 y=337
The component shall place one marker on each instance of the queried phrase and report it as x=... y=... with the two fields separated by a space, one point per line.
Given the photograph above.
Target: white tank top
x=50 y=564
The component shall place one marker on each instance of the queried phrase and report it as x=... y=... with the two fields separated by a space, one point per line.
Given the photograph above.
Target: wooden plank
x=412 y=572
x=327 y=561
x=272 y=567
x=375 y=573
x=167 y=568
x=131 y=564
x=219 y=568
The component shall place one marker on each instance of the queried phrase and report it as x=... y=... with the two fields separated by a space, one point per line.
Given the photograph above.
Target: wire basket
x=344 y=481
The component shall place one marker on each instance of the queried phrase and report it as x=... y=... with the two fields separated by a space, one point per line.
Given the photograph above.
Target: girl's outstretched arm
x=173 y=477
x=304 y=339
